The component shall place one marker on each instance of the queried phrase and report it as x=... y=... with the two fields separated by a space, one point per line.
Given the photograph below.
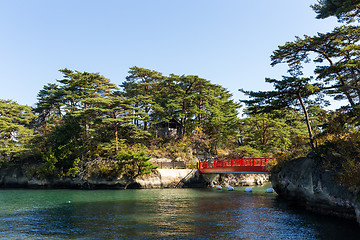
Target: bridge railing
x=175 y=165
x=234 y=165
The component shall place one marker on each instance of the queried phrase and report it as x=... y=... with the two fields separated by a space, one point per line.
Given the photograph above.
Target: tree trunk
x=311 y=136
x=356 y=82
x=342 y=81
x=199 y=116
x=146 y=107
x=145 y=122
x=116 y=140
x=183 y=119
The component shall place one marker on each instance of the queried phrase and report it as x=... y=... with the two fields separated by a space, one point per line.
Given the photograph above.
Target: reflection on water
x=161 y=214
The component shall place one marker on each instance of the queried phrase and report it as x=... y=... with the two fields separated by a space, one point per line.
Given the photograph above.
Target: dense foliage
x=85 y=123
x=344 y=10
x=15 y=130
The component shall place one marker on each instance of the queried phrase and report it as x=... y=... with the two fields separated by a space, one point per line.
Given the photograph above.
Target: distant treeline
x=85 y=118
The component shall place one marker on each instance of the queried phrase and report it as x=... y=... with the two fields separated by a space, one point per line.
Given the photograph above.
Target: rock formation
x=307 y=182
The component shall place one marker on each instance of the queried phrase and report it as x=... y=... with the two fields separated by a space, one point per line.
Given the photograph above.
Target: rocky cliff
x=307 y=182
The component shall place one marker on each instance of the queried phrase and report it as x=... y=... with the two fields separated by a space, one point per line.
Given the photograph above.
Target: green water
x=161 y=214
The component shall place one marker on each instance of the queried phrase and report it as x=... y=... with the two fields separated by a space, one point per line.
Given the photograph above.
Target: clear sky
x=228 y=42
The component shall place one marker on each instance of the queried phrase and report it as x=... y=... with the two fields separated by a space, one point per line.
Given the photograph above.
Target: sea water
x=162 y=214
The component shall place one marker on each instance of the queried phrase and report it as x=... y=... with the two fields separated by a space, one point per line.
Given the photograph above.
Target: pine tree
x=339 y=49
x=15 y=129
x=344 y=10
x=289 y=92
x=142 y=86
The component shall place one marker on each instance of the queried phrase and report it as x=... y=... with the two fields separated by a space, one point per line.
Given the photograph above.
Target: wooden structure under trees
x=168 y=129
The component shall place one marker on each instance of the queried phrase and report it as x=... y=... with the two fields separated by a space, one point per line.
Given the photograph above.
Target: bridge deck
x=243 y=165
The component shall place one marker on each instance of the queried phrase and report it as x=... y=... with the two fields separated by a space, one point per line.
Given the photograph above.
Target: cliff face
x=307 y=183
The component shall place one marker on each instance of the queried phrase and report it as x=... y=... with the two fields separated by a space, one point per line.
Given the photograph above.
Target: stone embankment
x=306 y=182
x=236 y=180
x=161 y=178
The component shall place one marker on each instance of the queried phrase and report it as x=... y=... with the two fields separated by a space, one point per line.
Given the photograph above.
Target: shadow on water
x=173 y=214
x=325 y=227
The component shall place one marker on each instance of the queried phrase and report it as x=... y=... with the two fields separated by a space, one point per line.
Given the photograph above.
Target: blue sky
x=227 y=42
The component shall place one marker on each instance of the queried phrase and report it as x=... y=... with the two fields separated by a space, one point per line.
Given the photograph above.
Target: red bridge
x=243 y=165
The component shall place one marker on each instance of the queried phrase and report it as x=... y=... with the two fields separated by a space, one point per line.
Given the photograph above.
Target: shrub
x=342 y=152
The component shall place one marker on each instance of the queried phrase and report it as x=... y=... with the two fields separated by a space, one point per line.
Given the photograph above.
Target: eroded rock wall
x=235 y=180
x=161 y=178
x=306 y=182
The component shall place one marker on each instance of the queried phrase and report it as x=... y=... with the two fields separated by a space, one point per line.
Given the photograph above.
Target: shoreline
x=160 y=178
